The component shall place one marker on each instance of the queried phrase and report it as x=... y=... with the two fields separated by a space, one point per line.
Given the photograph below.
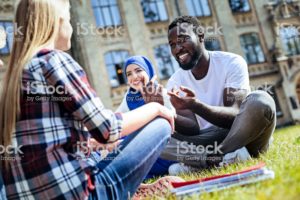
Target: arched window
x=154 y=10
x=114 y=61
x=239 y=6
x=6 y=37
x=212 y=44
x=198 y=8
x=106 y=13
x=252 y=49
x=290 y=40
x=166 y=64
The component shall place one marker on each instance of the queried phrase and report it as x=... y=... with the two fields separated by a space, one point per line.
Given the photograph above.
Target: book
x=215 y=183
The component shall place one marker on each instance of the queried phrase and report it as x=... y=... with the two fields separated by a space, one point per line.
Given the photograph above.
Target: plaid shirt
x=58 y=110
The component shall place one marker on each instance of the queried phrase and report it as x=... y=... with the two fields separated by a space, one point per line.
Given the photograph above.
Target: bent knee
x=261 y=104
x=162 y=126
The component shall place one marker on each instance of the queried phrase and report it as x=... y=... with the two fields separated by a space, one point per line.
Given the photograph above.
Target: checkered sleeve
x=77 y=97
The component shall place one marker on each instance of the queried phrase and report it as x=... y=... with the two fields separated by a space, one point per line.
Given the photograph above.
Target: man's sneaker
x=179 y=168
x=160 y=188
x=240 y=155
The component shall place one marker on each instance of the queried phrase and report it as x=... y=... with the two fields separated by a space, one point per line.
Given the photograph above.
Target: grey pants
x=252 y=128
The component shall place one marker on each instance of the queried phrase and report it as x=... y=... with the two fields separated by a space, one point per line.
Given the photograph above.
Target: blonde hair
x=38 y=25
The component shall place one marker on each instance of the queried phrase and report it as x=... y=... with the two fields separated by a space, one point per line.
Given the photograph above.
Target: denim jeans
x=252 y=128
x=121 y=172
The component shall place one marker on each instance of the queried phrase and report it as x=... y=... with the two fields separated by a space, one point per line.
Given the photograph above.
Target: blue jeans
x=122 y=171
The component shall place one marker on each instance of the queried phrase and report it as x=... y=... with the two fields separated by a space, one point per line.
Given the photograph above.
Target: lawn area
x=283 y=158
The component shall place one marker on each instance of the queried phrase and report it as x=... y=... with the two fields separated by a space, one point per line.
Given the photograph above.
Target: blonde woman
x=48 y=111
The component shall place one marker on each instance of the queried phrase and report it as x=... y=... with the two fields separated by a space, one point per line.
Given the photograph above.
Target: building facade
x=266 y=33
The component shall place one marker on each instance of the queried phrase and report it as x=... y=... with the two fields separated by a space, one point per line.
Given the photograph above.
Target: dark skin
x=186 y=41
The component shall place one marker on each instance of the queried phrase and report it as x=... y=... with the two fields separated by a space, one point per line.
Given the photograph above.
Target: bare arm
x=139 y=117
x=186 y=123
x=219 y=115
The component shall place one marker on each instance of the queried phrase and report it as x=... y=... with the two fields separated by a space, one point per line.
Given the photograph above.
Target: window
x=290 y=40
x=239 y=6
x=270 y=89
x=114 y=61
x=154 y=10
x=212 y=44
x=198 y=8
x=167 y=65
x=6 y=37
x=252 y=49
x=106 y=13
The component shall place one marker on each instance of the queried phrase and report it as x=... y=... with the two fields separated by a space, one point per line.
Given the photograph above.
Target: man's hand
x=182 y=102
x=152 y=92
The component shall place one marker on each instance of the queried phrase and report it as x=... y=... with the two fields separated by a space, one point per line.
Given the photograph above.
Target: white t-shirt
x=226 y=70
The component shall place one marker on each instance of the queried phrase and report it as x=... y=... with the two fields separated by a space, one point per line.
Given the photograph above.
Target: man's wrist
x=193 y=105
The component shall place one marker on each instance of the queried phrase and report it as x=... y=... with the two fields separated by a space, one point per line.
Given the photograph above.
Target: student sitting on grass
x=139 y=72
x=48 y=131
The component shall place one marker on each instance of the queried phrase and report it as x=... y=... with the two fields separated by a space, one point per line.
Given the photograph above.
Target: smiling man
x=214 y=93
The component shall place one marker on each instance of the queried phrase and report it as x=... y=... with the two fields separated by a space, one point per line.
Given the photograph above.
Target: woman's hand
x=182 y=102
x=152 y=92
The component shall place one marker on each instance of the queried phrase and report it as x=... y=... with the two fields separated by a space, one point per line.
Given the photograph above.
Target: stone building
x=264 y=32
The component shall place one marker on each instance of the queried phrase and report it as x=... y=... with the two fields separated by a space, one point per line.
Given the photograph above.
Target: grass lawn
x=283 y=158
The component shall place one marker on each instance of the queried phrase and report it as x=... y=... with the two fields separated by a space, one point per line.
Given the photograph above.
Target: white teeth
x=183 y=56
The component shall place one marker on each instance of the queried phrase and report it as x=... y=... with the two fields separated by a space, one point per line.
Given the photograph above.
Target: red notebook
x=180 y=184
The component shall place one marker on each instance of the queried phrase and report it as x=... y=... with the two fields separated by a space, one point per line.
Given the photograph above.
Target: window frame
x=242 y=36
x=287 y=50
x=8 y=43
x=211 y=39
x=239 y=11
x=157 y=10
x=201 y=6
x=112 y=54
x=165 y=65
x=100 y=8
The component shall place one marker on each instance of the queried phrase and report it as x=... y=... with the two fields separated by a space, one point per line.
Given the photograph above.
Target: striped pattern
x=51 y=124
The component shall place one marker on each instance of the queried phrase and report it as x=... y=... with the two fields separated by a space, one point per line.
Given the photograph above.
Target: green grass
x=283 y=158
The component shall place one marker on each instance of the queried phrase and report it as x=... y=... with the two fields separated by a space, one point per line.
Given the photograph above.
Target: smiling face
x=185 y=46
x=136 y=77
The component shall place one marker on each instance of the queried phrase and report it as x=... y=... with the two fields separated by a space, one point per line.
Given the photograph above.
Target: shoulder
x=123 y=107
x=57 y=59
x=177 y=76
x=228 y=57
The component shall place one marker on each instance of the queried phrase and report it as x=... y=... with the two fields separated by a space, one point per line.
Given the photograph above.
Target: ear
x=201 y=37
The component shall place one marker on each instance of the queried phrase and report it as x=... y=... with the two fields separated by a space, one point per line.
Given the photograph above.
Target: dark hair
x=185 y=19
